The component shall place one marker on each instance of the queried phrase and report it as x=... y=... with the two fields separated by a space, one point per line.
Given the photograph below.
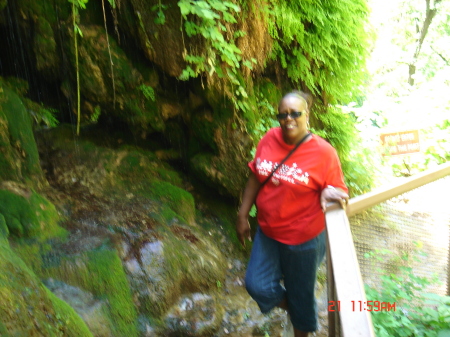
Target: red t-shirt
x=288 y=205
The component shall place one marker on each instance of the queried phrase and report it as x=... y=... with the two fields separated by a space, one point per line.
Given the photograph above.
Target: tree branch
x=430 y=13
x=440 y=55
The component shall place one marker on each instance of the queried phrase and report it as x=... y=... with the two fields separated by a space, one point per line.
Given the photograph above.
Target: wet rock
x=19 y=157
x=194 y=315
x=145 y=327
x=91 y=310
x=160 y=270
x=27 y=308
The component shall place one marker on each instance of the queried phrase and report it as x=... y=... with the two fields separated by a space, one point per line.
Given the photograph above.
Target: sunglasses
x=293 y=114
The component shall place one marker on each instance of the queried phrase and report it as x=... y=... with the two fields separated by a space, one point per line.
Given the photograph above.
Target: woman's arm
x=248 y=199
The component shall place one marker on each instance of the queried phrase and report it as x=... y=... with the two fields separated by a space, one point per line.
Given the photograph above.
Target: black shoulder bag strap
x=284 y=160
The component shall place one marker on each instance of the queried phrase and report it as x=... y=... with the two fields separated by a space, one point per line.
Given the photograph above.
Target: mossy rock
x=183 y=261
x=39 y=22
x=161 y=43
x=45 y=49
x=3 y=4
x=19 y=158
x=101 y=273
x=177 y=199
x=4 y=231
x=25 y=300
x=119 y=91
x=29 y=215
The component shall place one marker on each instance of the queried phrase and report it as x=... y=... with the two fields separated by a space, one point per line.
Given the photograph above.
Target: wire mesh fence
x=414 y=224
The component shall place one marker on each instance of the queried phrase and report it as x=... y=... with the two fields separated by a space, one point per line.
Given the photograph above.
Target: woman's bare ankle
x=283 y=304
x=298 y=333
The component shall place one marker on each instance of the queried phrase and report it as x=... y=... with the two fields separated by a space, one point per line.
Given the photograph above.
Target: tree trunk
x=429 y=15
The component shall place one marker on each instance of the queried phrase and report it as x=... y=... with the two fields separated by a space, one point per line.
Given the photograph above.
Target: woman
x=289 y=244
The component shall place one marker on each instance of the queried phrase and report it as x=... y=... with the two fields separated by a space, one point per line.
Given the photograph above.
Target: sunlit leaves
x=208 y=18
x=80 y=3
x=160 y=16
x=322 y=44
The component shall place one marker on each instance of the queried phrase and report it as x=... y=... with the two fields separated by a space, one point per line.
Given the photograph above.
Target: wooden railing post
x=331 y=293
x=347 y=277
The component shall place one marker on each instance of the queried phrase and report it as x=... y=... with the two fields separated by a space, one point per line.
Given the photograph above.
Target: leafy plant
x=322 y=44
x=339 y=129
x=47 y=116
x=42 y=115
x=221 y=57
x=96 y=114
x=417 y=313
x=148 y=92
x=160 y=16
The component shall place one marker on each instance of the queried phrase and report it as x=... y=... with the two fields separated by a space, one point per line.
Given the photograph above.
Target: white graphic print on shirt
x=292 y=174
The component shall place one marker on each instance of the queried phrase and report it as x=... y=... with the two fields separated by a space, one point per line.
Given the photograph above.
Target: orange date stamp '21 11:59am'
x=363 y=306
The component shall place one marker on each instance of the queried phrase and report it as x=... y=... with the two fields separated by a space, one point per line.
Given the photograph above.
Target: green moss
x=31 y=253
x=18 y=85
x=25 y=299
x=29 y=217
x=195 y=263
x=179 y=200
x=21 y=154
x=143 y=112
x=135 y=166
x=165 y=215
x=101 y=273
x=4 y=232
x=3 y=331
x=191 y=264
x=3 y=4
x=168 y=174
x=45 y=9
x=45 y=47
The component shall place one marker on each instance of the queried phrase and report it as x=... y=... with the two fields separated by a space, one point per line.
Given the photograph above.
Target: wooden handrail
x=365 y=201
x=344 y=270
x=345 y=283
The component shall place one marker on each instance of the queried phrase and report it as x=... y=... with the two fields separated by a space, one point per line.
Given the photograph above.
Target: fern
x=148 y=92
x=322 y=44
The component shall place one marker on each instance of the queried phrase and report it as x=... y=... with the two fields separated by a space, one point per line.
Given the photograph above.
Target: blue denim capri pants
x=272 y=261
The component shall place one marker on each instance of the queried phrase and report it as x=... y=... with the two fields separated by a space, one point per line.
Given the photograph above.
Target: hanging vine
x=111 y=2
x=76 y=5
x=76 y=30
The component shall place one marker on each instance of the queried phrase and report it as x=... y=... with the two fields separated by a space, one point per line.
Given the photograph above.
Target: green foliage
x=160 y=16
x=207 y=15
x=208 y=19
x=47 y=116
x=339 y=130
x=96 y=114
x=43 y=116
x=417 y=313
x=322 y=44
x=148 y=92
x=77 y=4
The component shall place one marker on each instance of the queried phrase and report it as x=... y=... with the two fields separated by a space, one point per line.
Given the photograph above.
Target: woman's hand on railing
x=331 y=194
